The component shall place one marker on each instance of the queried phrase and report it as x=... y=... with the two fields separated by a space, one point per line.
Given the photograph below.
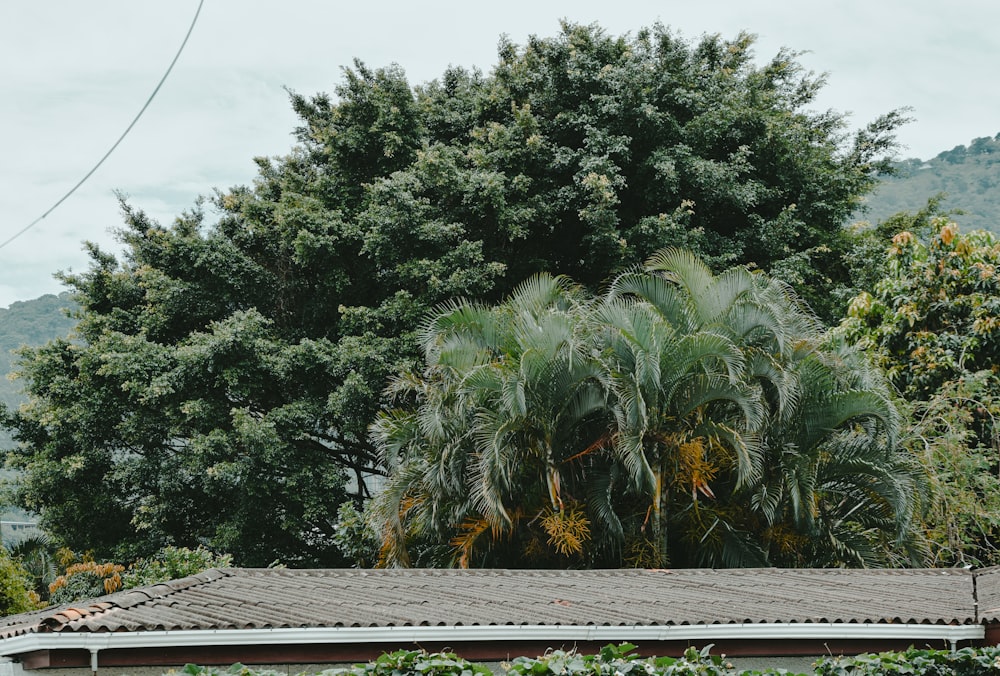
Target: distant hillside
x=32 y=322
x=970 y=176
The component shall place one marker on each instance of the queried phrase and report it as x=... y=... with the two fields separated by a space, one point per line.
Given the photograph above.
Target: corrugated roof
x=988 y=594
x=235 y=598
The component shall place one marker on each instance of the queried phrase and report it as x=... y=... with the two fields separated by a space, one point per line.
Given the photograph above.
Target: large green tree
x=934 y=316
x=225 y=367
x=681 y=419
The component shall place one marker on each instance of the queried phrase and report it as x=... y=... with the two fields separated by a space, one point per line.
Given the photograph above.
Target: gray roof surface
x=988 y=594
x=236 y=598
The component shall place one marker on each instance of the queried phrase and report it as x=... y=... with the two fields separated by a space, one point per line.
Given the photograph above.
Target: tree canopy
x=935 y=315
x=225 y=368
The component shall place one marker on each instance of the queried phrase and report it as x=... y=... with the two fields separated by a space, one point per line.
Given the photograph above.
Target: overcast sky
x=74 y=74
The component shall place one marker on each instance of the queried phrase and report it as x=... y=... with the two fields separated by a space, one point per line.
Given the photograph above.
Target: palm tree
x=729 y=381
x=37 y=555
x=837 y=490
x=509 y=402
x=686 y=409
x=683 y=417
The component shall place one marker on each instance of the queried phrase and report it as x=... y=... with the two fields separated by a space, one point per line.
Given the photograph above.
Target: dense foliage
x=86 y=580
x=397 y=663
x=612 y=660
x=982 y=661
x=172 y=563
x=16 y=593
x=935 y=315
x=681 y=419
x=83 y=578
x=220 y=382
x=933 y=321
x=40 y=559
x=621 y=660
x=24 y=323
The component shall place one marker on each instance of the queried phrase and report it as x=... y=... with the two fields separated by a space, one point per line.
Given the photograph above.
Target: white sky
x=74 y=74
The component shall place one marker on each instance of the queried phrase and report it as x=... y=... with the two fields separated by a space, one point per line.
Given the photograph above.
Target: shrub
x=413 y=662
x=621 y=660
x=16 y=595
x=172 y=563
x=234 y=670
x=86 y=580
x=396 y=663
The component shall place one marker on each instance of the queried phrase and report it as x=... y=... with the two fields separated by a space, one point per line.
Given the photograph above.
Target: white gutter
x=96 y=641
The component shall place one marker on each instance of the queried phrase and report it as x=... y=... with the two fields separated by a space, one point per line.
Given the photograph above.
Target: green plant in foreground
x=413 y=662
x=395 y=663
x=621 y=660
x=965 y=662
x=234 y=670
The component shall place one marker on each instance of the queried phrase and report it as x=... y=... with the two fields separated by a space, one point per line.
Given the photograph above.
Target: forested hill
x=31 y=322
x=968 y=175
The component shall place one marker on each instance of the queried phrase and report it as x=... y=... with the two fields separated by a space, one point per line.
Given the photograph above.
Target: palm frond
x=715 y=304
x=841 y=408
x=660 y=293
x=683 y=268
x=600 y=504
x=465 y=541
x=389 y=511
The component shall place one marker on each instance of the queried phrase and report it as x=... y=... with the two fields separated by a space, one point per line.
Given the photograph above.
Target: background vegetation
x=222 y=376
x=26 y=323
x=220 y=385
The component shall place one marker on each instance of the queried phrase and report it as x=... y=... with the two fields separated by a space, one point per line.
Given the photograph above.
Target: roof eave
x=557 y=634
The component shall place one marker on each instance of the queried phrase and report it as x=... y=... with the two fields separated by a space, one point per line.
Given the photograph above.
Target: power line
x=121 y=138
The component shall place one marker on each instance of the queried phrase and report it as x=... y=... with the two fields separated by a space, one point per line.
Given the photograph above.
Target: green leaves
x=920 y=662
x=16 y=594
x=226 y=367
x=621 y=660
x=402 y=662
x=172 y=563
x=705 y=416
x=932 y=321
